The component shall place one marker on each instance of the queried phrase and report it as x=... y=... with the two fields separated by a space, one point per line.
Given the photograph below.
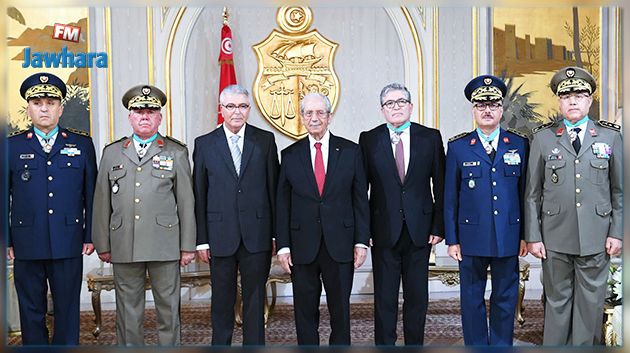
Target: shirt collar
x=240 y=133
x=325 y=139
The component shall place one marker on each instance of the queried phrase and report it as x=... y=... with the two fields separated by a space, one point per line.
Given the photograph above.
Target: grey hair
x=233 y=89
x=395 y=86
x=315 y=94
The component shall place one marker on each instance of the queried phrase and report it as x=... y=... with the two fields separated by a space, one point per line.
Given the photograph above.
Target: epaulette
x=517 y=133
x=542 y=127
x=457 y=137
x=609 y=125
x=78 y=132
x=15 y=133
x=119 y=140
x=176 y=141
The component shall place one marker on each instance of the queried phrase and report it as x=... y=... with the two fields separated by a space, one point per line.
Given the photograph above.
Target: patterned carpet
x=443 y=326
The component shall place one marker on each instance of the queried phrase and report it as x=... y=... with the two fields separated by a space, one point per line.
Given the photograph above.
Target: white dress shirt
x=51 y=141
x=136 y=144
x=494 y=143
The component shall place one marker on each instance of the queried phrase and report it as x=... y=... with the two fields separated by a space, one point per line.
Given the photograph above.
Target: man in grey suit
x=144 y=218
x=574 y=210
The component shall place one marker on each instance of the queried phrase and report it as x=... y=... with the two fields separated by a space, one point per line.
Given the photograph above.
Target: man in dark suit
x=483 y=193
x=322 y=222
x=235 y=176
x=405 y=169
x=52 y=172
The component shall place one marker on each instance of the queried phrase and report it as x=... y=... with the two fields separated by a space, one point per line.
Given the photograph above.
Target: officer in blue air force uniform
x=52 y=172
x=483 y=194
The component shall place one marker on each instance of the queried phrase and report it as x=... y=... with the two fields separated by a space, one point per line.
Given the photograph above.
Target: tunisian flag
x=226 y=60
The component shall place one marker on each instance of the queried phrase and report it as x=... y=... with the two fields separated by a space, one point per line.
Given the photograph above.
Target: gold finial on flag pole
x=226 y=15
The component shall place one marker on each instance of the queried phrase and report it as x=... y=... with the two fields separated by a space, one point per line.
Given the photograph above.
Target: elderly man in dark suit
x=52 y=172
x=405 y=169
x=322 y=222
x=235 y=175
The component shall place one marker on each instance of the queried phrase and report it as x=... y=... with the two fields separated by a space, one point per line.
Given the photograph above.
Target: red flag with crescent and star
x=226 y=61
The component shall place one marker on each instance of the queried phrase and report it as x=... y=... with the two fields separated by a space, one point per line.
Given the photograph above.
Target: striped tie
x=236 y=153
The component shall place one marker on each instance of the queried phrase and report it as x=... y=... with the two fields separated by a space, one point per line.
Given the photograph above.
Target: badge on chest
x=163 y=162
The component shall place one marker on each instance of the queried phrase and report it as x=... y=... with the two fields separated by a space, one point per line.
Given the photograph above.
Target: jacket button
x=495 y=198
x=48 y=163
x=68 y=164
x=578 y=175
x=137 y=184
x=577 y=161
x=50 y=178
x=496 y=212
x=578 y=204
x=494 y=183
x=466 y=221
x=139 y=169
x=76 y=220
x=137 y=200
x=19 y=222
x=494 y=169
x=50 y=211
x=50 y=194
x=577 y=191
x=137 y=217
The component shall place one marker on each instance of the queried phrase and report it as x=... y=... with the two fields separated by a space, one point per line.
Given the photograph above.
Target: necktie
x=493 y=152
x=236 y=153
x=320 y=173
x=142 y=150
x=575 y=139
x=399 y=155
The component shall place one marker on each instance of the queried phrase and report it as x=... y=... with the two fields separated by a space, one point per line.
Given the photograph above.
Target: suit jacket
x=419 y=200
x=339 y=217
x=50 y=195
x=144 y=209
x=483 y=198
x=230 y=206
x=576 y=210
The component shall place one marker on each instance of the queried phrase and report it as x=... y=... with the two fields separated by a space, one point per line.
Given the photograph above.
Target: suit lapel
x=563 y=136
x=502 y=146
x=307 y=165
x=414 y=147
x=333 y=157
x=385 y=150
x=588 y=138
x=34 y=143
x=477 y=147
x=129 y=150
x=248 y=148
x=221 y=145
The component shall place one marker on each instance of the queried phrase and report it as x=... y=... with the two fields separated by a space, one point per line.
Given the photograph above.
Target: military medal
x=47 y=147
x=488 y=148
x=395 y=138
x=471 y=183
x=572 y=135
x=115 y=187
x=26 y=175
x=554 y=177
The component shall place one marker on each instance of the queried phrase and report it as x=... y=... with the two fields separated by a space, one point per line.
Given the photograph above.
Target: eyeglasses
x=482 y=106
x=577 y=96
x=401 y=103
x=230 y=107
x=319 y=113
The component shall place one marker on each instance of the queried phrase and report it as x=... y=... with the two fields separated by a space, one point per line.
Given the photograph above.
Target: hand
x=204 y=255
x=285 y=262
x=537 y=249
x=613 y=246
x=10 y=254
x=522 y=250
x=359 y=256
x=273 y=247
x=455 y=251
x=105 y=257
x=186 y=257
x=434 y=239
x=88 y=249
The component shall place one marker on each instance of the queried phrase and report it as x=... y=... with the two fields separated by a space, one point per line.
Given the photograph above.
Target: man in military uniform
x=52 y=172
x=574 y=210
x=483 y=194
x=144 y=218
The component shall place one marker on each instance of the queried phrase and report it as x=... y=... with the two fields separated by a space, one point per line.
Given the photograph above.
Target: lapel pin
x=559 y=131
x=506 y=139
x=29 y=135
x=592 y=132
x=64 y=134
x=473 y=141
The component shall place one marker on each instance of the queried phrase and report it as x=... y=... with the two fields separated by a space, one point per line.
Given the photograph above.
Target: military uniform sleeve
x=102 y=209
x=185 y=202
x=451 y=196
x=437 y=179
x=533 y=192
x=616 y=189
x=89 y=184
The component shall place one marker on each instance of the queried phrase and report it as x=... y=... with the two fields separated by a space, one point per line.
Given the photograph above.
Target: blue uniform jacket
x=50 y=195
x=480 y=194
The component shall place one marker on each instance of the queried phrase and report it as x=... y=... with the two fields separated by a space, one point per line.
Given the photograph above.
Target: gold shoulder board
x=542 y=127
x=78 y=132
x=15 y=133
x=176 y=141
x=517 y=133
x=456 y=137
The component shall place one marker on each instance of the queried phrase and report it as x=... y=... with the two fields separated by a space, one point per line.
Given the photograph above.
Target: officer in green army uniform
x=574 y=210
x=144 y=218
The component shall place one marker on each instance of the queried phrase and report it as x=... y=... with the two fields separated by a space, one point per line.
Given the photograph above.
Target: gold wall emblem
x=292 y=64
